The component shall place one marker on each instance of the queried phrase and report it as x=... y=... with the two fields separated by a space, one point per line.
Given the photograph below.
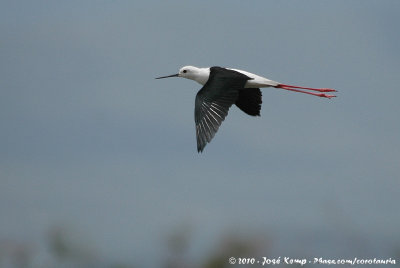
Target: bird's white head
x=199 y=75
x=189 y=72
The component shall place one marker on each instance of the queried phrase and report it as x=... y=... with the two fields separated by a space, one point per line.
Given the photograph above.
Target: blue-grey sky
x=90 y=139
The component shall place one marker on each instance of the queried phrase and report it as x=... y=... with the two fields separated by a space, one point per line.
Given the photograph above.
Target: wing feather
x=213 y=102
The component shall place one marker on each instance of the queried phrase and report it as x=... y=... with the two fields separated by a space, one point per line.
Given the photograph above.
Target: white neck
x=201 y=76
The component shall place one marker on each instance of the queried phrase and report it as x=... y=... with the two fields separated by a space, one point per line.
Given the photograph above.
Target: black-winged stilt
x=223 y=87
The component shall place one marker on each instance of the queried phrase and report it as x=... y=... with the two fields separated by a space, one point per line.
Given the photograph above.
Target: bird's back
x=256 y=81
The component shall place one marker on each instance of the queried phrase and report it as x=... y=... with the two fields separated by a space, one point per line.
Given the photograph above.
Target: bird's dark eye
x=184 y=71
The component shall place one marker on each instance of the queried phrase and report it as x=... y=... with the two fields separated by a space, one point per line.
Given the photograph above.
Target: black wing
x=213 y=102
x=249 y=101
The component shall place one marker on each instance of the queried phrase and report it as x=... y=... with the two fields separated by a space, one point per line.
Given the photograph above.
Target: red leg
x=309 y=88
x=306 y=92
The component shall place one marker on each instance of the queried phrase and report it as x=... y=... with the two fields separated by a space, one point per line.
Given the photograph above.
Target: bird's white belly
x=257 y=81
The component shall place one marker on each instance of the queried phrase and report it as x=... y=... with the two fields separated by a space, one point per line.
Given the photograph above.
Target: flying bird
x=223 y=87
